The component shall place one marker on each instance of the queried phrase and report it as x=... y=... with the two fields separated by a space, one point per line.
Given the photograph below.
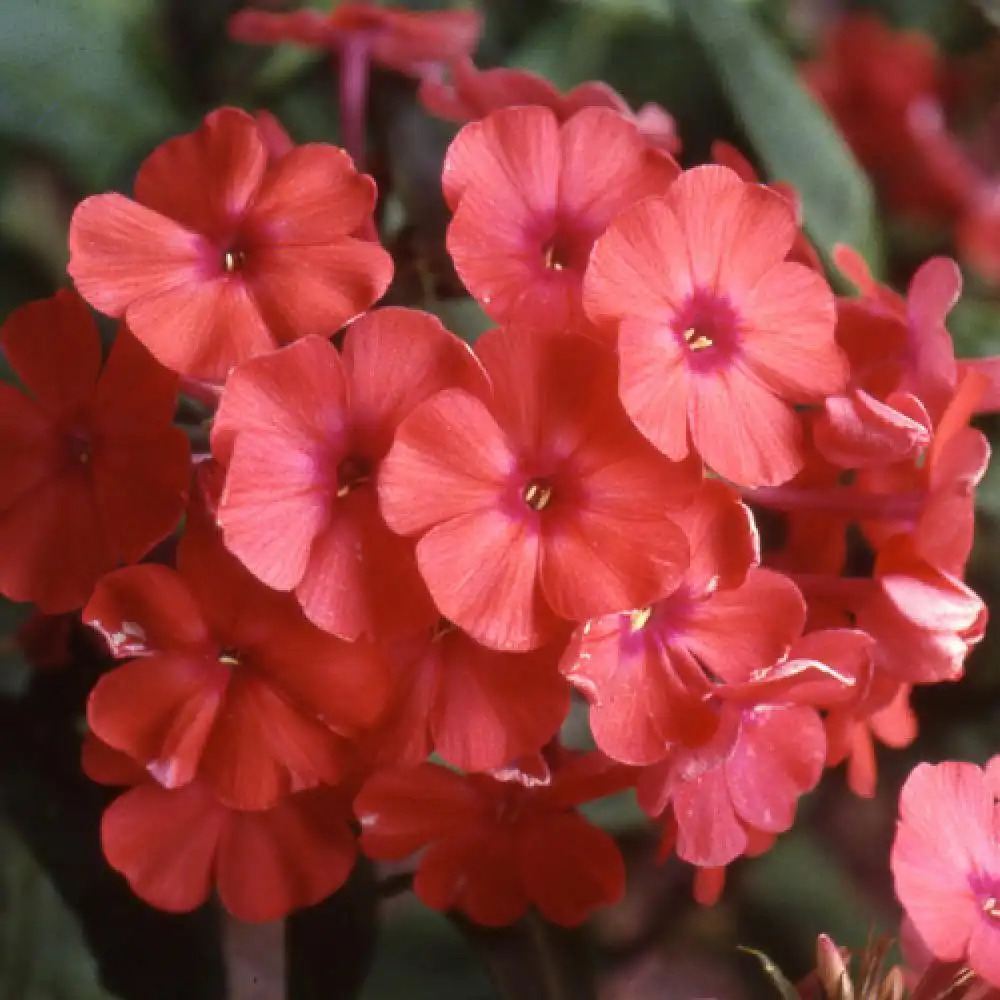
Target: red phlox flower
x=648 y=672
x=541 y=503
x=946 y=862
x=882 y=712
x=474 y=93
x=749 y=775
x=802 y=252
x=410 y=42
x=230 y=685
x=884 y=89
x=920 y=360
x=93 y=473
x=477 y=708
x=933 y=497
x=303 y=431
x=495 y=847
x=718 y=335
x=530 y=197
x=226 y=252
x=924 y=620
x=175 y=845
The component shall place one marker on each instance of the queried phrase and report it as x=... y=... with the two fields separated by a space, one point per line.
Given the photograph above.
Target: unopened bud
x=832 y=971
x=893 y=985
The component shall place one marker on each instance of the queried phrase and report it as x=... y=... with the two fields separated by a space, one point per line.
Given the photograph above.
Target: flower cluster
x=398 y=547
x=896 y=99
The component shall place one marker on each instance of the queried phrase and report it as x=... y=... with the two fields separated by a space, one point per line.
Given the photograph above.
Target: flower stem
x=353 y=94
x=852 y=504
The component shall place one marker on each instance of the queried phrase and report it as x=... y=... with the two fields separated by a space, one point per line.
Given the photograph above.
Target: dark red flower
x=408 y=41
x=230 y=685
x=884 y=89
x=495 y=847
x=302 y=432
x=541 y=503
x=93 y=473
x=175 y=845
x=477 y=708
x=474 y=93
x=718 y=335
x=227 y=252
x=530 y=197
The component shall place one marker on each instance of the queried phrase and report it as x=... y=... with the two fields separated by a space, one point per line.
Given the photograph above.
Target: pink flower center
x=708 y=329
x=352 y=472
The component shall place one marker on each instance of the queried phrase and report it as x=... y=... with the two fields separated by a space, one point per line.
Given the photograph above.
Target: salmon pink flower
x=530 y=198
x=230 y=685
x=477 y=708
x=542 y=502
x=495 y=847
x=93 y=473
x=946 y=862
x=718 y=335
x=646 y=671
x=747 y=777
x=303 y=431
x=226 y=252
x=175 y=845
x=474 y=93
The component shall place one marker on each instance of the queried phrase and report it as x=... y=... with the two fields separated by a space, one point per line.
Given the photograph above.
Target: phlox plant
x=355 y=616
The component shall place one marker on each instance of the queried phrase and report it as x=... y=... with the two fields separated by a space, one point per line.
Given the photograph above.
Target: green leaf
x=794 y=139
x=42 y=953
x=74 y=85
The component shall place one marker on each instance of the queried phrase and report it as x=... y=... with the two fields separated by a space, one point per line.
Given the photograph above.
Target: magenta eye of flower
x=537 y=494
x=708 y=329
x=352 y=472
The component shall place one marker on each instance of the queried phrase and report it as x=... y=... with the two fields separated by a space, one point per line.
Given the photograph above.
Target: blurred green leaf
x=42 y=953
x=794 y=139
x=422 y=956
x=975 y=327
x=73 y=83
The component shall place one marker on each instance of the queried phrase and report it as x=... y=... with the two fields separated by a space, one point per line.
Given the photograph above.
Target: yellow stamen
x=697 y=341
x=639 y=618
x=537 y=495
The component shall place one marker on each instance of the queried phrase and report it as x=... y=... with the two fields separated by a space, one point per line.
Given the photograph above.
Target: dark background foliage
x=87 y=89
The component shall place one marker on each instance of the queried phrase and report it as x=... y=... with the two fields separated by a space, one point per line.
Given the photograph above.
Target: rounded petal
x=205 y=179
x=122 y=252
x=404 y=809
x=287 y=858
x=164 y=843
x=491 y=708
x=742 y=430
x=482 y=571
x=570 y=868
x=54 y=347
x=314 y=289
x=160 y=710
x=312 y=195
x=147 y=609
x=448 y=458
